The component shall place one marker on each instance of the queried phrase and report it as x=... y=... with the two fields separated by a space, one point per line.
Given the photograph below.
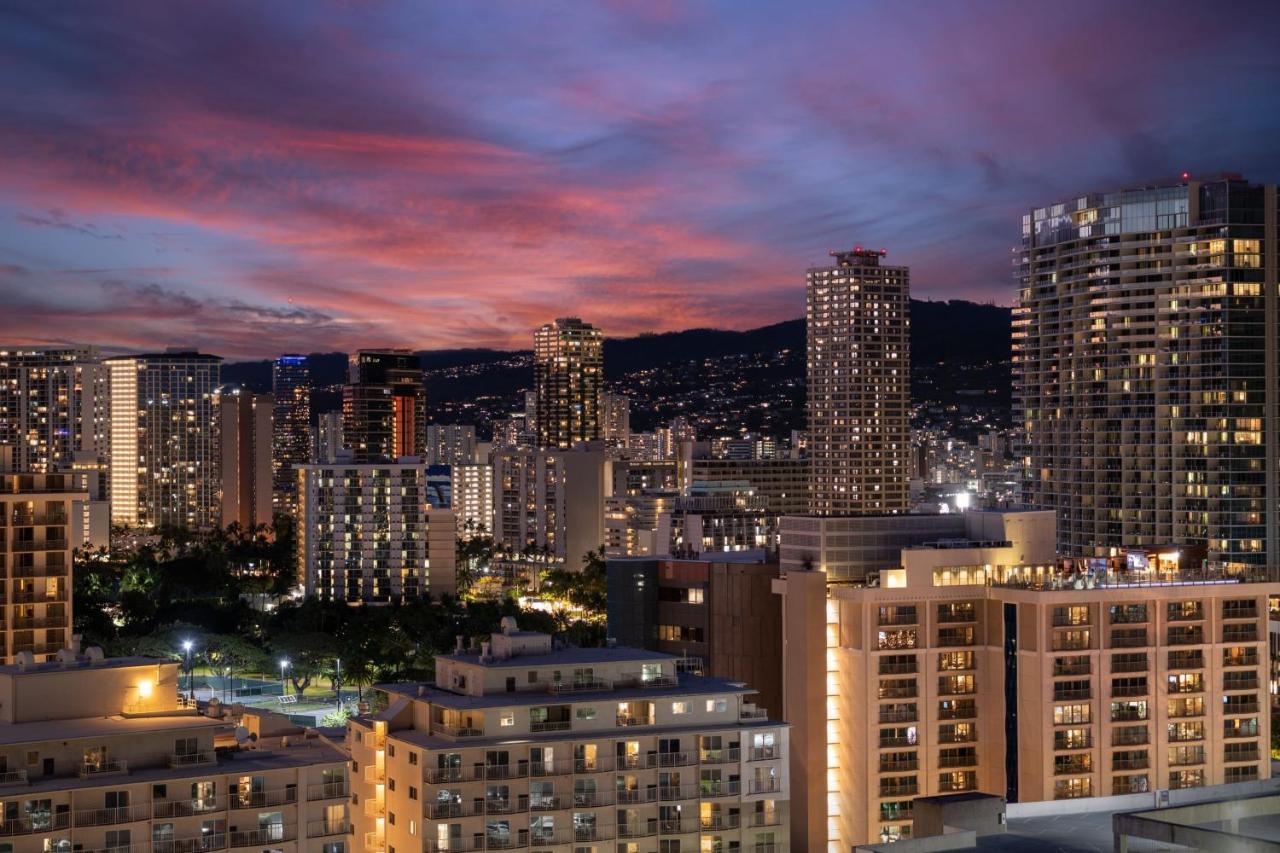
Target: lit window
x=679 y=707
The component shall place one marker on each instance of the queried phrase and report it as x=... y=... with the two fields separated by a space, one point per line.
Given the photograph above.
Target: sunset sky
x=258 y=177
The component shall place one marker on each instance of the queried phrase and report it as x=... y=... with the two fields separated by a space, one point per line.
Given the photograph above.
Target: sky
x=253 y=178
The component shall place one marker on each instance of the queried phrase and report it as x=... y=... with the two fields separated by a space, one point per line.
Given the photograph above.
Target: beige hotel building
x=987 y=665
x=606 y=750
x=102 y=756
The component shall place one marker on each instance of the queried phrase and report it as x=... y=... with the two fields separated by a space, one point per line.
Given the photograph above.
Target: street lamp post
x=284 y=685
x=187 y=645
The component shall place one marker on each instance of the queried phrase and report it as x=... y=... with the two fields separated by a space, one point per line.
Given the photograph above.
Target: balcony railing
x=30 y=826
x=264 y=835
x=192 y=759
x=765 y=786
x=673 y=793
x=720 y=756
x=456 y=731
x=106 y=817
x=260 y=799
x=185 y=808
x=327 y=790
x=114 y=767
x=325 y=828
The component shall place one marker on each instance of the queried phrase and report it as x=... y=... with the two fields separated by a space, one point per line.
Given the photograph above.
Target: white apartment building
x=522 y=745
x=368 y=533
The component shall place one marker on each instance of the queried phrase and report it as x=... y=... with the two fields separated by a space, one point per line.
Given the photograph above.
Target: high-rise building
x=551 y=500
x=245 y=437
x=451 y=444
x=859 y=385
x=568 y=377
x=1144 y=364
x=615 y=416
x=368 y=533
x=291 y=387
x=121 y=760
x=384 y=406
x=783 y=483
x=522 y=745
x=473 y=499
x=988 y=664
x=40 y=528
x=329 y=439
x=164 y=459
x=53 y=405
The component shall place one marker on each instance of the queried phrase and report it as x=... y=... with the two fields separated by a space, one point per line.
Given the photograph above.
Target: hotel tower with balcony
x=988 y=665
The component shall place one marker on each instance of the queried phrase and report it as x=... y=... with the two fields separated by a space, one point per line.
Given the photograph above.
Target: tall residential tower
x=568 y=377
x=53 y=405
x=291 y=387
x=1145 y=367
x=859 y=385
x=384 y=406
x=164 y=460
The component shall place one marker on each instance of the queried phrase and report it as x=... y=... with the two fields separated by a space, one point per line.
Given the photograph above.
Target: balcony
x=95 y=769
x=265 y=835
x=162 y=809
x=550 y=726
x=889 y=788
x=1130 y=737
x=1125 y=690
x=456 y=731
x=720 y=822
x=1072 y=768
x=627 y=720
x=724 y=788
x=1072 y=667
x=633 y=796
x=261 y=799
x=904 y=766
x=639 y=829
x=764 y=753
x=889 y=666
x=1064 y=695
x=557 y=688
x=1192 y=636
x=327 y=791
x=326 y=828
x=592 y=799
x=765 y=786
x=1248 y=658
x=13 y=777
x=1241 y=752
x=192 y=759
x=898 y=715
x=675 y=793
x=1246 y=707
x=30 y=826
x=1240 y=633
x=1130 y=763
x=958 y=761
x=683 y=758
x=720 y=756
x=109 y=817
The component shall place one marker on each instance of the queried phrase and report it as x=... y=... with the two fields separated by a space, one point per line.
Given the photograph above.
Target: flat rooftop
x=689 y=685
x=560 y=657
x=58 y=666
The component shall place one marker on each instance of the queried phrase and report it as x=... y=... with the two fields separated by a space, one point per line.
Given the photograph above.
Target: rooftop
x=563 y=657
x=686 y=685
x=14 y=669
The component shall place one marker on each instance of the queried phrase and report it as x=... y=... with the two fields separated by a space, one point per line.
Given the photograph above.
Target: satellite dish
x=242 y=735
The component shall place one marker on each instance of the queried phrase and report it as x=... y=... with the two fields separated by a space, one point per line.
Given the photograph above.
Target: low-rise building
x=103 y=755
x=520 y=744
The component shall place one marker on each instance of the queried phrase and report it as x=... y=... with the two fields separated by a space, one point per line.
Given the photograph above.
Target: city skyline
x=432 y=179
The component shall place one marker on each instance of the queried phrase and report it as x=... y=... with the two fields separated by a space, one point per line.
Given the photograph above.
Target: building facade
x=291 y=387
x=850 y=548
x=245 y=439
x=164 y=453
x=329 y=439
x=783 y=484
x=590 y=750
x=551 y=501
x=451 y=444
x=987 y=665
x=1144 y=360
x=102 y=755
x=859 y=385
x=615 y=419
x=568 y=378
x=40 y=528
x=384 y=406
x=368 y=533
x=473 y=499
x=716 y=611
x=53 y=406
